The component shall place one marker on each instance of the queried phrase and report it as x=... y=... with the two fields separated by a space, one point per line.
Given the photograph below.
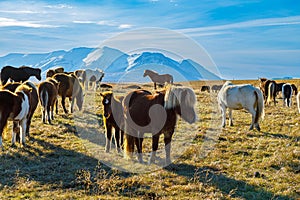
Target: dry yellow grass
x=60 y=162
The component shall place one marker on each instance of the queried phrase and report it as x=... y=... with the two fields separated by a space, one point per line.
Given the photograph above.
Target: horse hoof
x=13 y=145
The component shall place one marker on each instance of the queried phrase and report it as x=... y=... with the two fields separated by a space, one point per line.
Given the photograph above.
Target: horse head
x=183 y=101
x=106 y=102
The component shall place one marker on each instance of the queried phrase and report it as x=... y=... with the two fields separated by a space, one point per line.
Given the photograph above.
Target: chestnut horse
x=33 y=100
x=113 y=118
x=70 y=87
x=15 y=107
x=157 y=114
x=20 y=74
x=157 y=78
x=48 y=91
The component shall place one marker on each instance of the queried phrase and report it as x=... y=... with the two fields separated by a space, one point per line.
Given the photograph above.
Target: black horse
x=20 y=74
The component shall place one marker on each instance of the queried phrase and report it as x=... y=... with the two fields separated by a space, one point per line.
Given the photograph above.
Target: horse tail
x=128 y=146
x=260 y=113
x=271 y=90
x=44 y=98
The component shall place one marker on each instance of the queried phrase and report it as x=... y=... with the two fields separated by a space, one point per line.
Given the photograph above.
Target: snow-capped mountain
x=118 y=66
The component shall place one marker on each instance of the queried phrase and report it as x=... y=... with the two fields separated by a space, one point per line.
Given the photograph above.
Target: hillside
x=116 y=64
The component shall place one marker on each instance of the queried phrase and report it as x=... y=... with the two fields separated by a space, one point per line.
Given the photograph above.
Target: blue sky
x=245 y=39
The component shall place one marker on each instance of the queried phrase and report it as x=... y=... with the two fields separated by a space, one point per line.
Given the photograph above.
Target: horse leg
x=49 y=114
x=139 y=145
x=28 y=124
x=63 y=102
x=155 y=139
x=167 y=140
x=71 y=100
x=56 y=106
x=3 y=122
x=44 y=114
x=230 y=117
x=252 y=111
x=223 y=111
x=108 y=137
x=155 y=85
x=122 y=139
x=117 y=139
x=23 y=131
x=15 y=133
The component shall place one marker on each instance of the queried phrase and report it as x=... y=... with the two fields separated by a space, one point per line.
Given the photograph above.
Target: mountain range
x=117 y=65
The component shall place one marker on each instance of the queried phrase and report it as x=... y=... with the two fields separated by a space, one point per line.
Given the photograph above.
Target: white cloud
x=248 y=24
x=83 y=22
x=59 y=6
x=6 y=22
x=125 y=26
x=107 y=23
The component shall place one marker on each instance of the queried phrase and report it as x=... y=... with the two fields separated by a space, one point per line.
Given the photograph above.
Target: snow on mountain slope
x=118 y=66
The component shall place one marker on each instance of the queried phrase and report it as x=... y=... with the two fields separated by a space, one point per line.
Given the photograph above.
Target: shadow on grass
x=52 y=165
x=213 y=177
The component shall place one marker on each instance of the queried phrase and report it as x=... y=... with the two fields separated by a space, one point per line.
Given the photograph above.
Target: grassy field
x=66 y=160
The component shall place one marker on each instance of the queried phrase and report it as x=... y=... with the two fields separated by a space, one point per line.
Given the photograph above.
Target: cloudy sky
x=244 y=38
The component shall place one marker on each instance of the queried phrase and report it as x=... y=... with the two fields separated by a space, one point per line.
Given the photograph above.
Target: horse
x=205 y=88
x=264 y=87
x=69 y=86
x=15 y=107
x=287 y=92
x=33 y=100
x=113 y=119
x=48 y=91
x=236 y=97
x=298 y=101
x=94 y=76
x=272 y=92
x=216 y=88
x=157 y=78
x=295 y=90
x=157 y=114
x=20 y=74
x=52 y=72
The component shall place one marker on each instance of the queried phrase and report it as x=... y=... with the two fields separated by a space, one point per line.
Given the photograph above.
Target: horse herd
x=132 y=115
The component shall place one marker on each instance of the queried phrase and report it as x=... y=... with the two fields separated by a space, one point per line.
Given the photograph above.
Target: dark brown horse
x=205 y=88
x=156 y=114
x=20 y=74
x=70 y=87
x=48 y=91
x=33 y=100
x=157 y=78
x=15 y=107
x=52 y=72
x=113 y=119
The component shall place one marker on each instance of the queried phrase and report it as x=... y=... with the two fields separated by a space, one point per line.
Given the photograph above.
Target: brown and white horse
x=156 y=114
x=33 y=100
x=157 y=78
x=48 y=91
x=15 y=106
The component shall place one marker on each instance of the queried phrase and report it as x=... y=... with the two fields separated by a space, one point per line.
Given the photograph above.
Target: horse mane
x=23 y=87
x=175 y=96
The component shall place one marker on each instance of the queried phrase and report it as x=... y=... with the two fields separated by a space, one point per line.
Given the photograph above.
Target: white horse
x=236 y=97
x=287 y=92
x=94 y=76
x=298 y=101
